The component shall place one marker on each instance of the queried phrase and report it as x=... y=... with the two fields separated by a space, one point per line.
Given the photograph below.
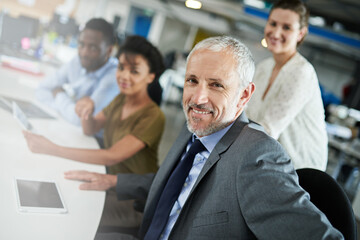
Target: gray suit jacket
x=248 y=189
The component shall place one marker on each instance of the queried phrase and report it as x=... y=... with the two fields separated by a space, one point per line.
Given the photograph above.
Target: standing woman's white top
x=287 y=99
x=292 y=111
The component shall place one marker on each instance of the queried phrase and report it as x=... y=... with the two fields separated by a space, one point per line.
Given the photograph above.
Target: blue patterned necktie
x=171 y=191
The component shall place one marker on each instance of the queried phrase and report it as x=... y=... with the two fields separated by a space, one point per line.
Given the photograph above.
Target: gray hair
x=242 y=55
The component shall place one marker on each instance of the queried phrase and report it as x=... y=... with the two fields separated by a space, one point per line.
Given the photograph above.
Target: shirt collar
x=211 y=140
x=101 y=71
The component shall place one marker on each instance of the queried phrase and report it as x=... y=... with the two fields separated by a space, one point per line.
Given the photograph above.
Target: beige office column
x=157 y=25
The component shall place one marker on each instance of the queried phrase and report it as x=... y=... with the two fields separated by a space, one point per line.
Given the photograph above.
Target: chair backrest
x=327 y=195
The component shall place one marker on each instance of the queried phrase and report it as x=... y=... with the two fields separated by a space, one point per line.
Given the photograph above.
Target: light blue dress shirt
x=200 y=159
x=100 y=86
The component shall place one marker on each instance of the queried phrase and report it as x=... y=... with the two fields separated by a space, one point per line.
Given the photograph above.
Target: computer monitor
x=64 y=26
x=13 y=30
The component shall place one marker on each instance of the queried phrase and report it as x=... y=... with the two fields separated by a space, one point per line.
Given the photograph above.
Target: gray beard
x=210 y=129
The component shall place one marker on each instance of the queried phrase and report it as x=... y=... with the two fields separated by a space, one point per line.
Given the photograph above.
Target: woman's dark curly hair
x=137 y=45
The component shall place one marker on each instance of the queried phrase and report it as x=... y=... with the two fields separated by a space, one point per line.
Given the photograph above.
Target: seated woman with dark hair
x=133 y=123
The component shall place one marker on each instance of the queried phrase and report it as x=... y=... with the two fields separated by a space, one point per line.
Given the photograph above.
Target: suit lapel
x=165 y=170
x=224 y=143
x=173 y=156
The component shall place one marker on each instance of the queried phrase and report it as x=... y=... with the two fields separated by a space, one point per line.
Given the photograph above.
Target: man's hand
x=84 y=108
x=57 y=90
x=94 y=181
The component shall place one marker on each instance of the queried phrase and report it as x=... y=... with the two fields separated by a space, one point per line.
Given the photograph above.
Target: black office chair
x=327 y=195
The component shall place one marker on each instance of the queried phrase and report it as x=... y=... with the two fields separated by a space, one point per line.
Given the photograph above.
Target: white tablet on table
x=39 y=196
x=21 y=118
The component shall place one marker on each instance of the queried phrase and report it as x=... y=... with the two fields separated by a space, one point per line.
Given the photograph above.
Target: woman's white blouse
x=292 y=111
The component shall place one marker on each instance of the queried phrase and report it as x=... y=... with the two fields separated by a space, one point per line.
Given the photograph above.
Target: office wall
x=173 y=36
x=107 y=9
x=41 y=9
x=118 y=8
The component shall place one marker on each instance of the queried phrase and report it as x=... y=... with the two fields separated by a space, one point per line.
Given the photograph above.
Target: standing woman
x=133 y=125
x=287 y=101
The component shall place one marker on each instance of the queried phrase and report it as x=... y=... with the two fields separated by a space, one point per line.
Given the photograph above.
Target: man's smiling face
x=211 y=99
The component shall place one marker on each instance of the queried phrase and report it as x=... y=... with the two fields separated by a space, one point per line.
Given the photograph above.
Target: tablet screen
x=20 y=116
x=30 y=109
x=39 y=196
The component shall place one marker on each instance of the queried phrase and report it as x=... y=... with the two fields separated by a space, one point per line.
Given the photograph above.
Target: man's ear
x=246 y=95
x=109 y=50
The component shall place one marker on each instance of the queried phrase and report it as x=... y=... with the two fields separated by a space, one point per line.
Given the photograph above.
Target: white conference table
x=84 y=207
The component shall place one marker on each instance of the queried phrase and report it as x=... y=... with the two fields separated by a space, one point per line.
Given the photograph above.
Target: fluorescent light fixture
x=264 y=43
x=255 y=3
x=194 y=4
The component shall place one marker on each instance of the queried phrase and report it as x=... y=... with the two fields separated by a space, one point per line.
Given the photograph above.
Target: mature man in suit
x=240 y=185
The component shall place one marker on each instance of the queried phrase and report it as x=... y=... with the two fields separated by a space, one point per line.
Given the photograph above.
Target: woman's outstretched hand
x=38 y=143
x=93 y=181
